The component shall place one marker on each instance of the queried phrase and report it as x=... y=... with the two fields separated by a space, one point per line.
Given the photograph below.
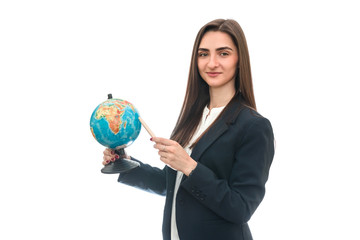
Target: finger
x=163 y=154
x=162 y=141
x=105 y=162
x=109 y=152
x=112 y=154
x=160 y=147
x=167 y=162
x=164 y=160
x=167 y=149
x=109 y=158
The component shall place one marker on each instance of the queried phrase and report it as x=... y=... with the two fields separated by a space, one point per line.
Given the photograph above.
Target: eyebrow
x=218 y=49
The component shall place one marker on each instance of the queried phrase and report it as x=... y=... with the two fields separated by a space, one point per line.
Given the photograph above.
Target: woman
x=220 y=151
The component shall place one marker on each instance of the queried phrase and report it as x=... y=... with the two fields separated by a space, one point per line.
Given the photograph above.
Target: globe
x=115 y=124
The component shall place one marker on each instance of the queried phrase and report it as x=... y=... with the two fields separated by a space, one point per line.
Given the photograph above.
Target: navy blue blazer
x=226 y=187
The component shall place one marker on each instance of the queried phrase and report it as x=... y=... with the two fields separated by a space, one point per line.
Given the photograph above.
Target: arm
x=145 y=177
x=237 y=198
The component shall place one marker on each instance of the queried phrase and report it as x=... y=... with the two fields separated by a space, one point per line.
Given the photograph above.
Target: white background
x=60 y=59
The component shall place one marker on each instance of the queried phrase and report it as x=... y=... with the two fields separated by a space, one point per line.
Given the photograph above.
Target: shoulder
x=241 y=118
x=248 y=116
x=250 y=122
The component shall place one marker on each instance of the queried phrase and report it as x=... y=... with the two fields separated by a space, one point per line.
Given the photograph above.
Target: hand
x=111 y=156
x=173 y=155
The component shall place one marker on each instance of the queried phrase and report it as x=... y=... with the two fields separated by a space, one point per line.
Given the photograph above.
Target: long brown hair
x=197 y=91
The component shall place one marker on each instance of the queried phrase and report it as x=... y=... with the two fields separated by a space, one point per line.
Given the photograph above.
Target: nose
x=213 y=62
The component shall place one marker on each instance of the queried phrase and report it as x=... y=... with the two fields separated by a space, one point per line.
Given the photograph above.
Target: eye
x=224 y=54
x=202 y=54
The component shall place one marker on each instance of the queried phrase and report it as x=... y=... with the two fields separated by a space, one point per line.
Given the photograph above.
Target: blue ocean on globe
x=115 y=123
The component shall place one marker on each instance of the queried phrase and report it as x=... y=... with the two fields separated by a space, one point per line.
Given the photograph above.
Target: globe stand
x=120 y=165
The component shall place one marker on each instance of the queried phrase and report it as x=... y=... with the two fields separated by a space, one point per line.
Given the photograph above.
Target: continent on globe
x=115 y=123
x=113 y=113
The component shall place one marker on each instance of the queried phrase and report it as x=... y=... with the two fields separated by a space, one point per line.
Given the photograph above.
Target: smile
x=213 y=74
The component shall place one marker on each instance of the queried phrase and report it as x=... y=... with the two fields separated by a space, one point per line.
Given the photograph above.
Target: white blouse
x=207 y=119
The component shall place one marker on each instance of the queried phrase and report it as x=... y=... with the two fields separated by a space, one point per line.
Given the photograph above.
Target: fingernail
x=113 y=159
x=107 y=161
x=150 y=139
x=117 y=156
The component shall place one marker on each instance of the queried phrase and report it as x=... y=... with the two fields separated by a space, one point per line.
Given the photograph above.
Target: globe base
x=120 y=165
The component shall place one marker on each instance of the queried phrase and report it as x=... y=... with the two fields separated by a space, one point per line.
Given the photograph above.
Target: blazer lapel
x=217 y=129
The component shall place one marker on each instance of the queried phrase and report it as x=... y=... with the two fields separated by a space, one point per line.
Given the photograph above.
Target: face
x=217 y=60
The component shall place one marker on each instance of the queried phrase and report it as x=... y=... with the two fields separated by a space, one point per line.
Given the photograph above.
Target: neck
x=220 y=97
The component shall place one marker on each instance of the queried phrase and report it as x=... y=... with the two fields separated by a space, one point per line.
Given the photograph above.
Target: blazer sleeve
x=236 y=199
x=145 y=177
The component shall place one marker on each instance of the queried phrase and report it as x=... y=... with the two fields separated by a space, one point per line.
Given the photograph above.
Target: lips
x=213 y=74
